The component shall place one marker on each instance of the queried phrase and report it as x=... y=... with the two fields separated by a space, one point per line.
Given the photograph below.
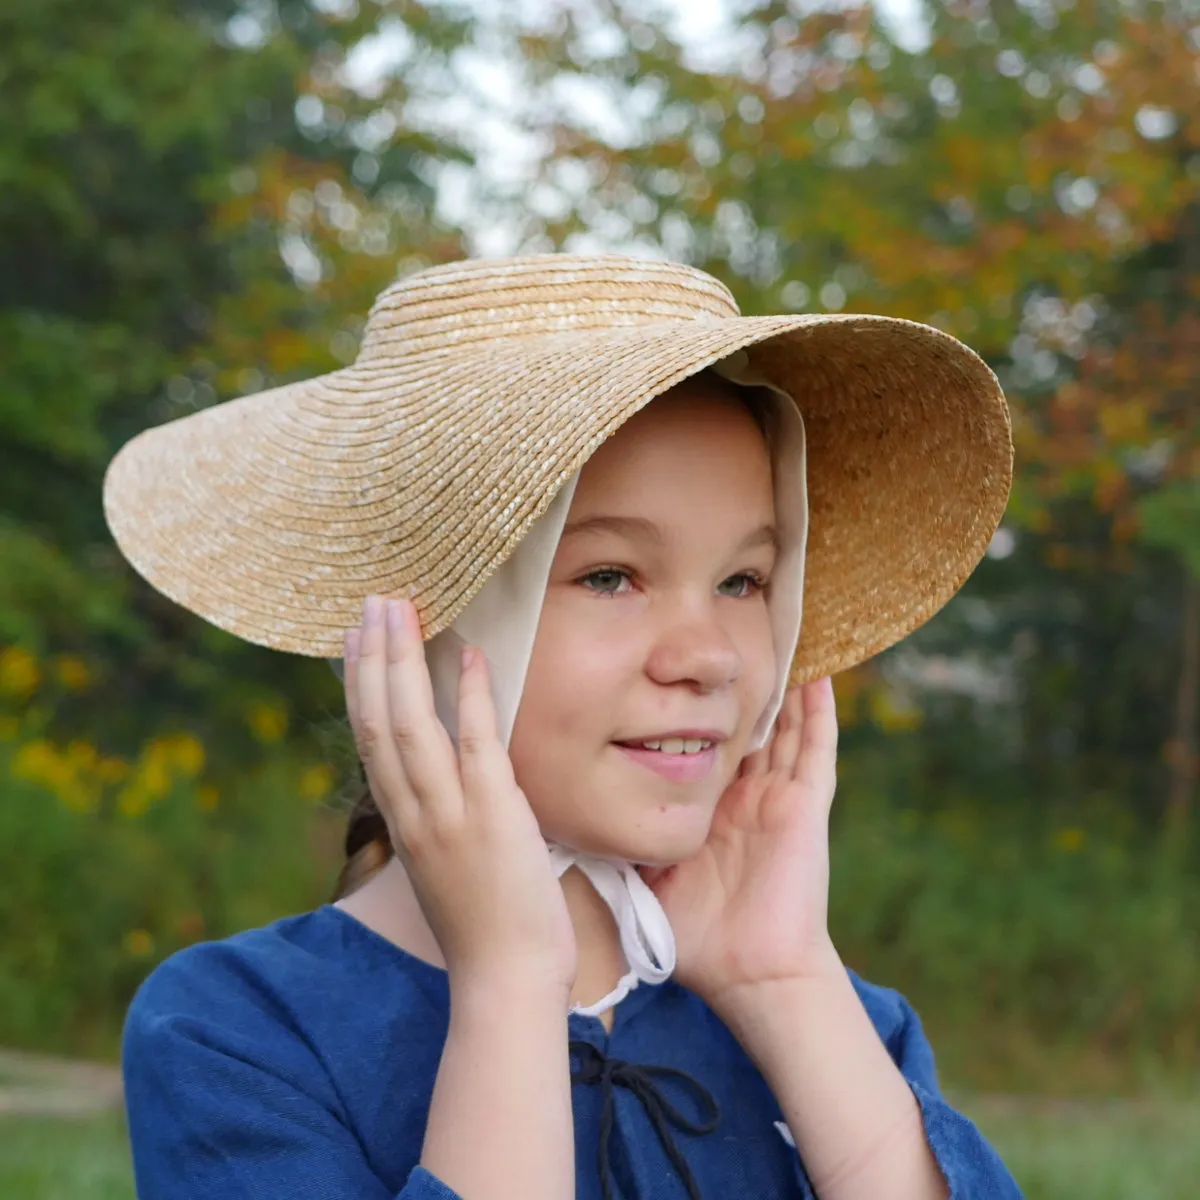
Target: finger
x=820 y=718
x=757 y=762
x=817 y=763
x=365 y=702
x=785 y=746
x=425 y=753
x=760 y=761
x=366 y=682
x=350 y=655
x=484 y=764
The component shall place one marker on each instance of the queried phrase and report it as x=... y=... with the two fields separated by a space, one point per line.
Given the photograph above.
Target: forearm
x=500 y=1124
x=857 y=1125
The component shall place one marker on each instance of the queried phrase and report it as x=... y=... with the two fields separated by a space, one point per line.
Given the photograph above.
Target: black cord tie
x=609 y=1073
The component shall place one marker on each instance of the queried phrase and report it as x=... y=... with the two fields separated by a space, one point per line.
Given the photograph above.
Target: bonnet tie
x=596 y=1067
x=647 y=940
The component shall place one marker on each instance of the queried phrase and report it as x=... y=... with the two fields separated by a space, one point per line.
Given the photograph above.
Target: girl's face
x=654 y=657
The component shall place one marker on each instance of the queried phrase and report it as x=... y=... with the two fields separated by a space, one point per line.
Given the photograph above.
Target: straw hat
x=482 y=386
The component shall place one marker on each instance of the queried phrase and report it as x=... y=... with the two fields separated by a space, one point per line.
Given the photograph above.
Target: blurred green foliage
x=111 y=863
x=1057 y=953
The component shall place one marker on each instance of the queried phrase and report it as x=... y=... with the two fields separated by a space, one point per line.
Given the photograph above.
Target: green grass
x=1137 y=1152
x=45 y=1158
x=1143 y=1152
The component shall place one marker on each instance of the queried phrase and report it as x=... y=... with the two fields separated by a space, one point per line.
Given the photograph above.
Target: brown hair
x=368 y=843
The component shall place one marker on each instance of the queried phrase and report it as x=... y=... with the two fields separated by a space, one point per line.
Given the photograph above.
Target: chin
x=660 y=838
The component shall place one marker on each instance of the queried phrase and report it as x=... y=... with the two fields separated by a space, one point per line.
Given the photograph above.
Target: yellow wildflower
x=68 y=773
x=133 y=800
x=112 y=770
x=267 y=722
x=19 y=672
x=153 y=775
x=1068 y=840
x=37 y=762
x=184 y=752
x=73 y=673
x=162 y=763
x=316 y=782
x=892 y=713
x=82 y=755
x=138 y=943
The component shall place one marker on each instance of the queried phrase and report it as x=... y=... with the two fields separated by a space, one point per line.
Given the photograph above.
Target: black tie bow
x=596 y=1067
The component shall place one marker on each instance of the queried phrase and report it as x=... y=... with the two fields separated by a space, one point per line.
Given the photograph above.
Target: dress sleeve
x=972 y=1169
x=209 y=1123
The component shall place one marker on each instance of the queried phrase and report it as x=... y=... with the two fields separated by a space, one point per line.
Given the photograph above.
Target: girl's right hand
x=458 y=822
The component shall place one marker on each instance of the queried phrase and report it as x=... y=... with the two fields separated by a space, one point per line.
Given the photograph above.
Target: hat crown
x=467 y=304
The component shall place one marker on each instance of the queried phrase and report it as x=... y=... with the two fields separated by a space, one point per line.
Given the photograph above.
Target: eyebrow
x=641 y=529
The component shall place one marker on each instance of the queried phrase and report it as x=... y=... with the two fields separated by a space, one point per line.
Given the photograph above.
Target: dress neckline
x=587 y=1028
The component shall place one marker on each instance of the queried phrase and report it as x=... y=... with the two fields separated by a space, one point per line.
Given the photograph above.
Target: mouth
x=682 y=756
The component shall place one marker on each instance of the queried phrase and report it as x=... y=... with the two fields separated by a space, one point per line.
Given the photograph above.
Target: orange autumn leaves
x=1029 y=181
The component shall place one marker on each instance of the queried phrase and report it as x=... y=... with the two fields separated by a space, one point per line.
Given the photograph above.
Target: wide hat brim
x=417 y=473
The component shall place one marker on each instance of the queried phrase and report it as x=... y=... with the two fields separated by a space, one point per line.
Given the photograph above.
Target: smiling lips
x=675 y=745
x=681 y=757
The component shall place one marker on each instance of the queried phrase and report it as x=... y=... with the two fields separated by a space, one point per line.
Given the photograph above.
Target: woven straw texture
x=482 y=386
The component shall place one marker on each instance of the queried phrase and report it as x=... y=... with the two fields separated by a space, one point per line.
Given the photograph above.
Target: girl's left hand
x=751 y=908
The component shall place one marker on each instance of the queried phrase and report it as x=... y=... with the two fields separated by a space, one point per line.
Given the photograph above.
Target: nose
x=694 y=649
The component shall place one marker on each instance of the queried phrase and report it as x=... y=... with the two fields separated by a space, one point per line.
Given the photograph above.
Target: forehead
x=696 y=446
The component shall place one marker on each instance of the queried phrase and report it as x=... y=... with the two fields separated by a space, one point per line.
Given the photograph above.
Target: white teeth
x=678 y=745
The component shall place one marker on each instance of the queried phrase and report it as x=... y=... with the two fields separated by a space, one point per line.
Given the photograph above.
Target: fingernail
x=372 y=610
x=351 y=651
x=395 y=617
x=468 y=657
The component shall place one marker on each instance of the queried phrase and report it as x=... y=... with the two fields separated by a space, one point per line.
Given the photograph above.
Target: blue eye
x=605 y=582
x=744 y=585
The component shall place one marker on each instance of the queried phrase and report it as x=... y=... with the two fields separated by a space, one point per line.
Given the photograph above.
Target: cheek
x=569 y=689
x=756 y=647
x=567 y=706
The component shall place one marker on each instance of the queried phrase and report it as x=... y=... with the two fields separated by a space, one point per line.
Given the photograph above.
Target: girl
x=581 y=946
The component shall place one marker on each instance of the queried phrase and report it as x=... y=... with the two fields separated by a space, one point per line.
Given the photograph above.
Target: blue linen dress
x=298 y=1061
